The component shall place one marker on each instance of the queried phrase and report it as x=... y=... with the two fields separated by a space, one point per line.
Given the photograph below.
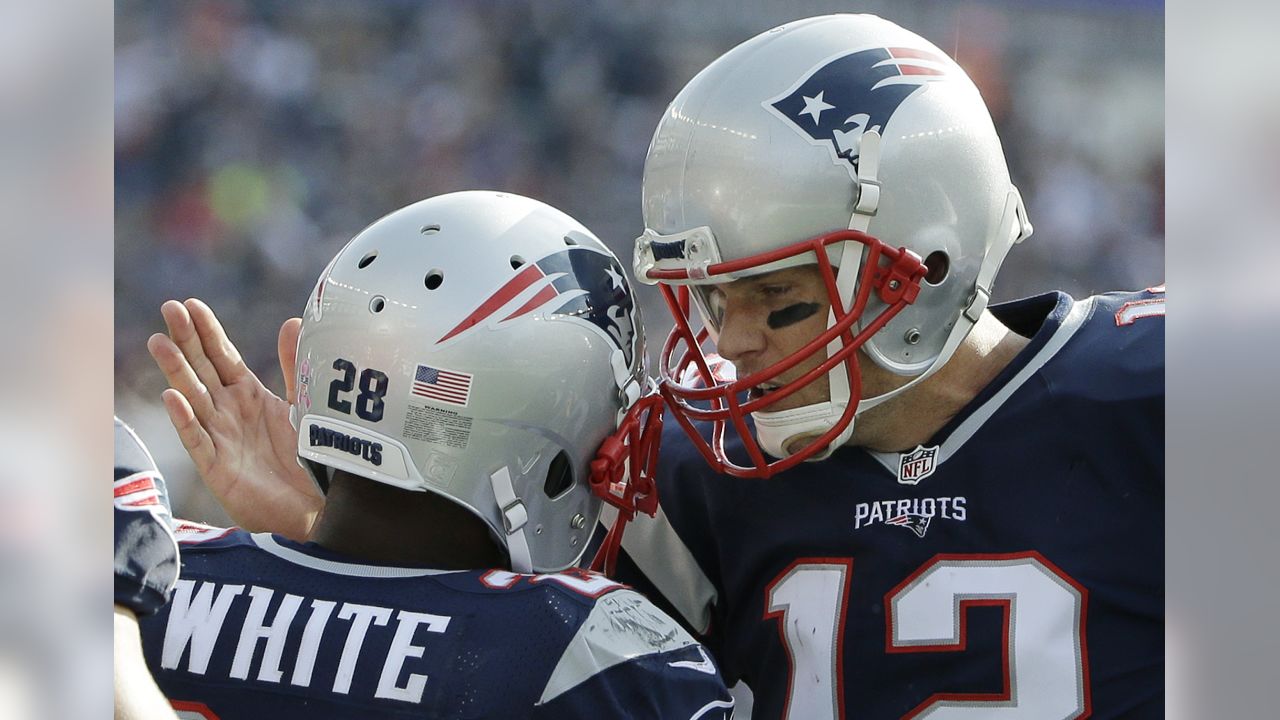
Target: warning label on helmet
x=437 y=426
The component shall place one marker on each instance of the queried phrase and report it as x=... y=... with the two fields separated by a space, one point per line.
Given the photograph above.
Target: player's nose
x=742 y=336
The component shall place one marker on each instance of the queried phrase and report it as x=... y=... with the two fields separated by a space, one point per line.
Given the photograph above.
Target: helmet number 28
x=1045 y=663
x=373 y=386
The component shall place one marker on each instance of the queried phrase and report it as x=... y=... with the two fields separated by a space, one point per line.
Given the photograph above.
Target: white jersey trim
x=664 y=559
x=713 y=705
x=1070 y=324
x=269 y=544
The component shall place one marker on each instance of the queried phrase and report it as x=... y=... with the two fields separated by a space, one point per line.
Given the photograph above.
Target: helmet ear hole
x=937 y=265
x=559 y=476
x=433 y=279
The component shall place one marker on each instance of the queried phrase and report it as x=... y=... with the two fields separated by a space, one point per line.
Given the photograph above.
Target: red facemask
x=622 y=473
x=696 y=393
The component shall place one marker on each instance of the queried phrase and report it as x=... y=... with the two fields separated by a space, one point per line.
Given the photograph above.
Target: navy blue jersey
x=1011 y=567
x=262 y=627
x=146 y=555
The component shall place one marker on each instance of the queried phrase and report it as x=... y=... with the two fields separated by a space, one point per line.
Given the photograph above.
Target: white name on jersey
x=199 y=609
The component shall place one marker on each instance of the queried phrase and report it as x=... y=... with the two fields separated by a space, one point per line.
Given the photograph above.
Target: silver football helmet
x=481 y=346
x=843 y=141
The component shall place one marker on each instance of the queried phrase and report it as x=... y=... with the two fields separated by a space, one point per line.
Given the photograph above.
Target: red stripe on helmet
x=546 y=294
x=504 y=295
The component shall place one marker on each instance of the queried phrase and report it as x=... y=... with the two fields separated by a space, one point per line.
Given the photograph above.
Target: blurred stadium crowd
x=253 y=139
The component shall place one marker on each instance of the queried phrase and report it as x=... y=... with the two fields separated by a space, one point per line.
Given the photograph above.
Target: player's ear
x=287 y=350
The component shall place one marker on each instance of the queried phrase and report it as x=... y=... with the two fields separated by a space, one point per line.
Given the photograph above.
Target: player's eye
x=774 y=292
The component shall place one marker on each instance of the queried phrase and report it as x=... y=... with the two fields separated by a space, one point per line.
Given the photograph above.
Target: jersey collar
x=313 y=556
x=1051 y=319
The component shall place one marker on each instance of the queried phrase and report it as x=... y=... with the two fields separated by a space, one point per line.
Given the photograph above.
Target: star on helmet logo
x=576 y=283
x=839 y=100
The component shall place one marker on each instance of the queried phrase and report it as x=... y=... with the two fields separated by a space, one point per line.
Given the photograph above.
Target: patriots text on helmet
x=369 y=450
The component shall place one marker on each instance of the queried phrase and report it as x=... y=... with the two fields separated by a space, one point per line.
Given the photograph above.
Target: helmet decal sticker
x=441 y=427
x=304 y=384
x=446 y=386
x=577 y=283
x=846 y=96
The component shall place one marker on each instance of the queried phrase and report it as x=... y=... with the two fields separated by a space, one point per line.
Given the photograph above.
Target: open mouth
x=762 y=390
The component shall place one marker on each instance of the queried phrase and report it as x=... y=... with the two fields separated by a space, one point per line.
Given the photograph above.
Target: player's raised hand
x=235 y=429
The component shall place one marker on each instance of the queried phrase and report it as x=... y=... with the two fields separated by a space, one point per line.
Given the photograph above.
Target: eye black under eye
x=792 y=314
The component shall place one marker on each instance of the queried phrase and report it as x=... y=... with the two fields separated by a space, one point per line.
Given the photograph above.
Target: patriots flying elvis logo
x=577 y=283
x=918 y=524
x=844 y=97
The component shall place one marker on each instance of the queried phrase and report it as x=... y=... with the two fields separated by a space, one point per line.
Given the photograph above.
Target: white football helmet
x=843 y=141
x=481 y=346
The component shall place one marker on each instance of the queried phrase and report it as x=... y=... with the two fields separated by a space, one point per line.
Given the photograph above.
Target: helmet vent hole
x=430 y=229
x=937 y=265
x=559 y=476
x=517 y=262
x=434 y=278
x=570 y=241
x=377 y=304
x=367 y=260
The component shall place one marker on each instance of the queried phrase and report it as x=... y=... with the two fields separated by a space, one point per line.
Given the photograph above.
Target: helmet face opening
x=697 y=383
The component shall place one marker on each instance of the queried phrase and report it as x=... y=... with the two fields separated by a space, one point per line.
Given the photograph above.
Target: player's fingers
x=218 y=347
x=287 y=351
x=177 y=371
x=192 y=434
x=182 y=330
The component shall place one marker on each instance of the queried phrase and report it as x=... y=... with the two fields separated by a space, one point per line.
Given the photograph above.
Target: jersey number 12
x=1044 y=655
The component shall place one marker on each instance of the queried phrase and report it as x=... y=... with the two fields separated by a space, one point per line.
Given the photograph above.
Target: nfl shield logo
x=917 y=464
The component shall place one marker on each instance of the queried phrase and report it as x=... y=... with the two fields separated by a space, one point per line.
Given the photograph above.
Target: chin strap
x=775 y=429
x=514 y=518
x=868 y=183
x=622 y=473
x=1014 y=228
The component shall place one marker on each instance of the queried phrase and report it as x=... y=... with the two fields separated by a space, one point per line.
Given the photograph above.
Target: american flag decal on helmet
x=447 y=386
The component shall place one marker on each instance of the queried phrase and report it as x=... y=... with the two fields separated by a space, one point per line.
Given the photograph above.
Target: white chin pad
x=775 y=429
